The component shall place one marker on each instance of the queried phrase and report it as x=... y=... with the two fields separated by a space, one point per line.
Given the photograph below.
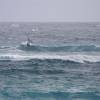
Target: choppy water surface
x=63 y=63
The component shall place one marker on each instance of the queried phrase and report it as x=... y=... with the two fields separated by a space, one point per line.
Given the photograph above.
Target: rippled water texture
x=63 y=62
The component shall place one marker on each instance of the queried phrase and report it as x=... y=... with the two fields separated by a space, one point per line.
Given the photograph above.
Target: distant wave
x=63 y=95
x=4 y=47
x=78 y=58
x=79 y=48
x=14 y=25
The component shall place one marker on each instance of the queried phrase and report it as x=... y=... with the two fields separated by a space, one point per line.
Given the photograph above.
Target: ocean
x=62 y=63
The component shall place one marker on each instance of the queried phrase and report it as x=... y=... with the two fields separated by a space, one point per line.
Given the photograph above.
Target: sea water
x=63 y=62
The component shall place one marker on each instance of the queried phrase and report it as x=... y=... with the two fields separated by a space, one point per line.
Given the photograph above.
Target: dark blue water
x=63 y=62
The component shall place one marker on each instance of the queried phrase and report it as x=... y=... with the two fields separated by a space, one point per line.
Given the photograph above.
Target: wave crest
x=70 y=58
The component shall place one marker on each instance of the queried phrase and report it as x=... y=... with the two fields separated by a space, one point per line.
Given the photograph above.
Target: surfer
x=28 y=42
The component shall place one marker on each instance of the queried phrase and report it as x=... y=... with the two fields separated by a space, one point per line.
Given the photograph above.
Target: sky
x=50 y=10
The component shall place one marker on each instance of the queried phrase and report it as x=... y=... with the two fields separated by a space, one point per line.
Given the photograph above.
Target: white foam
x=81 y=58
x=15 y=25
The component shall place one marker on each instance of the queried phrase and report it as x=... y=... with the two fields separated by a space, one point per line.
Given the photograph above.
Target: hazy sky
x=49 y=10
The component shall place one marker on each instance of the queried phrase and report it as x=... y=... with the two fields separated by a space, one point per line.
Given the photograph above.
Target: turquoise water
x=63 y=62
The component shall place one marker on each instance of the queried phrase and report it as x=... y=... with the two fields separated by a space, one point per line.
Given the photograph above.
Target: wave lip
x=79 y=58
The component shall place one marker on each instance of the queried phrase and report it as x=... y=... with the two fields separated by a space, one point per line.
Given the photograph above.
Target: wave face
x=80 y=48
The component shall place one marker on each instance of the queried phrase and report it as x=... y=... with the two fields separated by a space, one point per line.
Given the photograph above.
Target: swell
x=79 y=48
x=52 y=96
x=64 y=95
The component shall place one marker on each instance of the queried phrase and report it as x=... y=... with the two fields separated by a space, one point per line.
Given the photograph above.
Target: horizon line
x=50 y=21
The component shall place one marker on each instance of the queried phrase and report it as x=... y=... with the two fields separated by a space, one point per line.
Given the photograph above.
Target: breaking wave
x=43 y=53
x=78 y=58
